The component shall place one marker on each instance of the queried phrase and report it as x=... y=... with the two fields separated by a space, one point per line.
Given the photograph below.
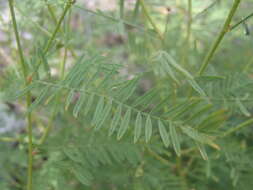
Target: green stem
x=57 y=28
x=241 y=21
x=147 y=15
x=28 y=97
x=62 y=72
x=225 y=29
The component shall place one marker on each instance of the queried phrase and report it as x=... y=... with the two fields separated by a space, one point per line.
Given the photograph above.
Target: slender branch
x=28 y=96
x=57 y=28
x=147 y=14
x=241 y=21
x=62 y=72
x=225 y=29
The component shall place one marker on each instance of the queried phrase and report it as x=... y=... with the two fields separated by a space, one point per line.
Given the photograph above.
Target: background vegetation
x=126 y=95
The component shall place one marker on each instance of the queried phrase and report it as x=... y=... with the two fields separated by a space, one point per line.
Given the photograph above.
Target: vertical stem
x=146 y=13
x=225 y=29
x=28 y=97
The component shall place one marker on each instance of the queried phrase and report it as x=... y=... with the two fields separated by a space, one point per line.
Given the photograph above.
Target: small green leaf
x=98 y=111
x=124 y=124
x=242 y=108
x=175 y=139
x=148 y=129
x=116 y=119
x=163 y=133
x=105 y=114
x=138 y=126
x=89 y=104
x=79 y=104
x=142 y=100
x=73 y=154
x=82 y=175
x=69 y=99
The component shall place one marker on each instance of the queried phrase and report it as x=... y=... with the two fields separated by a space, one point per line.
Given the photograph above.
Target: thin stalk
x=217 y=42
x=241 y=21
x=147 y=15
x=57 y=28
x=28 y=96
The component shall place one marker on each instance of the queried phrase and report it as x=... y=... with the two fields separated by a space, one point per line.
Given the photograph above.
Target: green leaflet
x=148 y=129
x=128 y=89
x=242 y=108
x=89 y=104
x=138 y=126
x=79 y=104
x=82 y=175
x=69 y=99
x=124 y=124
x=115 y=120
x=104 y=115
x=98 y=111
x=195 y=135
x=202 y=150
x=198 y=114
x=166 y=67
x=215 y=116
x=184 y=72
x=186 y=109
x=39 y=99
x=163 y=133
x=175 y=139
x=146 y=98
x=160 y=105
x=73 y=154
